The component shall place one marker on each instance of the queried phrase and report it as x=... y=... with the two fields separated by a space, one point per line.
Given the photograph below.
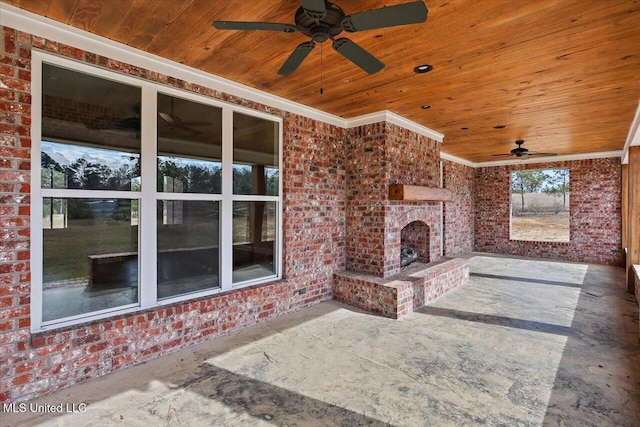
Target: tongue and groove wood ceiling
x=564 y=75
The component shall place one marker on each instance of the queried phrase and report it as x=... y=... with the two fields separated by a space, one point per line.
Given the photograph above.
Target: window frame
x=147 y=197
x=511 y=176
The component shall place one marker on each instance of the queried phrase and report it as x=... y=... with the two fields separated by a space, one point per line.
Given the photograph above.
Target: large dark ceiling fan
x=322 y=20
x=521 y=152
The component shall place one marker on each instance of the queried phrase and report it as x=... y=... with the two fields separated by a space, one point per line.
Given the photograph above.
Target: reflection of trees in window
x=79 y=209
x=243 y=180
x=83 y=174
x=195 y=178
x=122 y=211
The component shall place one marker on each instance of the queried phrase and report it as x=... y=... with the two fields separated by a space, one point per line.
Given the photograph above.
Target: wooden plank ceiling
x=564 y=75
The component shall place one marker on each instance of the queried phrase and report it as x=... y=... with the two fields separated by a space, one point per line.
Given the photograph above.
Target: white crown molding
x=571 y=157
x=391 y=117
x=567 y=158
x=633 y=137
x=456 y=159
x=22 y=20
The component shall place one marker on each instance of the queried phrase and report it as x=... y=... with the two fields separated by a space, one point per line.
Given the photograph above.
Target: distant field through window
x=540 y=205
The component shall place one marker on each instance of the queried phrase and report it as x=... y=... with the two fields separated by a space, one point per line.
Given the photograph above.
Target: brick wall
x=595 y=213
x=459 y=212
x=314 y=236
x=380 y=154
x=403 y=293
x=366 y=186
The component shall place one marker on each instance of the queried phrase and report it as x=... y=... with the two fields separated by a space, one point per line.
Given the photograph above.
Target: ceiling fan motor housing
x=323 y=29
x=519 y=152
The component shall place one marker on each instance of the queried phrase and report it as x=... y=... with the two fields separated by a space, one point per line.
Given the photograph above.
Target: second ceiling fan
x=322 y=20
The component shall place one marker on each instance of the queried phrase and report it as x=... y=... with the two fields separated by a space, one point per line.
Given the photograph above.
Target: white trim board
x=584 y=156
x=456 y=159
x=391 y=117
x=567 y=158
x=633 y=137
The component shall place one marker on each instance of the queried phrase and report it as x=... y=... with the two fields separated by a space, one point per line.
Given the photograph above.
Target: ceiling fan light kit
x=322 y=20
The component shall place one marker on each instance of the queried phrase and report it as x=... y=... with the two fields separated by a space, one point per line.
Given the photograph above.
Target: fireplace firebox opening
x=414 y=243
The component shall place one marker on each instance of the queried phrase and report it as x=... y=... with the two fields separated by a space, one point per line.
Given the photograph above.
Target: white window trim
x=148 y=197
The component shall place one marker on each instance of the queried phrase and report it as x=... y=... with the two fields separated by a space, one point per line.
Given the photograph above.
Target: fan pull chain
x=321 y=90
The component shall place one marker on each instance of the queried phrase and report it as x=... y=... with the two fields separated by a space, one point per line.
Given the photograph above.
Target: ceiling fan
x=322 y=20
x=174 y=121
x=523 y=152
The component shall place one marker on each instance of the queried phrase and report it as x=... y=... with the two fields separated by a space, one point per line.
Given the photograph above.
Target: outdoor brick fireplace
x=380 y=156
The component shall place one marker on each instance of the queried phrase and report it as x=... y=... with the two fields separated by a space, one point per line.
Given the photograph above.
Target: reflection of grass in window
x=66 y=250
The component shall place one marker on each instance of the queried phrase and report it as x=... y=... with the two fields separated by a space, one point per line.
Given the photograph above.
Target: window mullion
x=226 y=209
x=36 y=196
x=147 y=257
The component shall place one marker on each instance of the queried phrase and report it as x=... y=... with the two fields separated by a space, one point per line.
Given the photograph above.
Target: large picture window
x=540 y=205
x=144 y=195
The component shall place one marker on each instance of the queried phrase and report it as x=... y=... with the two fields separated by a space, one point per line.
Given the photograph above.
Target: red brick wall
x=314 y=235
x=595 y=213
x=366 y=186
x=411 y=158
x=459 y=212
x=380 y=154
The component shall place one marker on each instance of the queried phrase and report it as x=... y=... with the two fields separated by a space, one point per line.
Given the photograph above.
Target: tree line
x=188 y=177
x=550 y=181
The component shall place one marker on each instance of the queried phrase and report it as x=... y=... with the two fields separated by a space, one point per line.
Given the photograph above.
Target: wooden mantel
x=419 y=193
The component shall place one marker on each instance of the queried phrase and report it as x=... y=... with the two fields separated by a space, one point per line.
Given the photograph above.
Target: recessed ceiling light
x=499 y=127
x=424 y=68
x=425 y=107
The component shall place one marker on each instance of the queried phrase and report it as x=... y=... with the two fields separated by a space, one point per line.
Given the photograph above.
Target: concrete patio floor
x=526 y=342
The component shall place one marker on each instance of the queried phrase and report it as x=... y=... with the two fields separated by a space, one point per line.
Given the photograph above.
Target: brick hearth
x=403 y=293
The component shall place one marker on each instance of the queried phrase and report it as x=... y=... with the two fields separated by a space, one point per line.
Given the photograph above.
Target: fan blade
x=503 y=155
x=358 y=55
x=196 y=123
x=401 y=14
x=263 y=26
x=295 y=59
x=535 y=153
x=166 y=117
x=316 y=9
x=188 y=129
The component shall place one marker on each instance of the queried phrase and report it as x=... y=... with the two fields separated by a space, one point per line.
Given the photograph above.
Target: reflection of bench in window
x=121 y=269
x=252 y=253
x=113 y=270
